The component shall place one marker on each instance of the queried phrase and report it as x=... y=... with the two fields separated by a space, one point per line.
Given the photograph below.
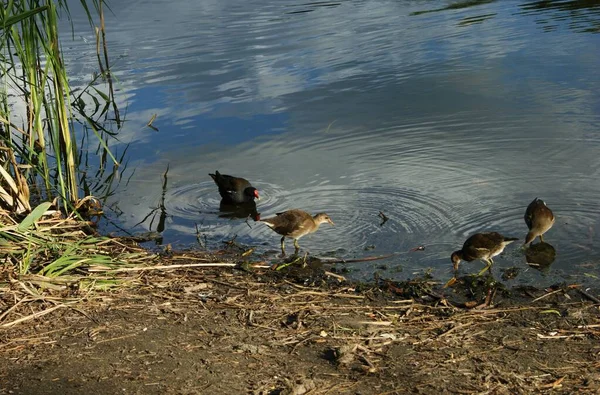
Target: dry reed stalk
x=34 y=315
x=165 y=267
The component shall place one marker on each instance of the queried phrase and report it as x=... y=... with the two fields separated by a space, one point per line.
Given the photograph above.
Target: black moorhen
x=482 y=246
x=295 y=224
x=234 y=190
x=539 y=219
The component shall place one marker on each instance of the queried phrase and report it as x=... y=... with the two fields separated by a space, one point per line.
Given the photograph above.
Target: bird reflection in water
x=540 y=255
x=239 y=211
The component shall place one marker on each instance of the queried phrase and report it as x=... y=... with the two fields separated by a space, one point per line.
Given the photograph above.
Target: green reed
x=38 y=110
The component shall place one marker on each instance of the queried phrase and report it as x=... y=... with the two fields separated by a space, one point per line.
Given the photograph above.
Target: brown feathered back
x=296 y=223
x=539 y=219
x=482 y=245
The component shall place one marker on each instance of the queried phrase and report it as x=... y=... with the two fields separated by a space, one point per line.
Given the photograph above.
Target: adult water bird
x=482 y=246
x=295 y=224
x=539 y=219
x=234 y=190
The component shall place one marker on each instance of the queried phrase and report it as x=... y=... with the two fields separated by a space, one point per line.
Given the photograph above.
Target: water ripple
x=449 y=119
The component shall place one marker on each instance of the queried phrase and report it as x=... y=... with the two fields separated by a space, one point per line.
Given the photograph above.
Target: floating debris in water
x=383 y=217
x=149 y=124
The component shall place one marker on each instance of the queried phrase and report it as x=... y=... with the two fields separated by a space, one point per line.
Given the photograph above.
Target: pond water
x=448 y=117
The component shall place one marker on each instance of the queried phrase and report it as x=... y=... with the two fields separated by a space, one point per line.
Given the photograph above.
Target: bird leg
x=488 y=263
x=283 y=246
x=541 y=238
x=296 y=246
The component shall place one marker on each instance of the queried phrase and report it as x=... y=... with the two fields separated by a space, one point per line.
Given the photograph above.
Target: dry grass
x=361 y=339
x=61 y=281
x=50 y=261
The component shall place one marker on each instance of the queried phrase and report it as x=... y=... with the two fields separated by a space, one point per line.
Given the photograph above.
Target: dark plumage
x=482 y=246
x=539 y=219
x=234 y=190
x=295 y=224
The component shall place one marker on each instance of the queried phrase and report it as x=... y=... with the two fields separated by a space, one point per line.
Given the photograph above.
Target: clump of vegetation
x=48 y=137
x=39 y=114
x=56 y=246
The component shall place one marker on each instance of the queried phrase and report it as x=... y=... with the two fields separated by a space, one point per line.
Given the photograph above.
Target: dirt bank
x=229 y=331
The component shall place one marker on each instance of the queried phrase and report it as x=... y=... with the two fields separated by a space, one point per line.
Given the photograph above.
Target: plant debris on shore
x=182 y=326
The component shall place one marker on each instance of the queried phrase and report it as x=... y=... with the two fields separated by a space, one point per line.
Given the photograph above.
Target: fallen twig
x=5 y=313
x=546 y=337
x=588 y=296
x=556 y=384
x=336 y=276
x=548 y=294
x=34 y=315
x=366 y=259
x=166 y=267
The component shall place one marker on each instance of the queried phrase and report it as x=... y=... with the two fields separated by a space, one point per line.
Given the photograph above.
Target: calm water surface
x=448 y=117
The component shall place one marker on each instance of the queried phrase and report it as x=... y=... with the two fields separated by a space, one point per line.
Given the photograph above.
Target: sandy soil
x=229 y=331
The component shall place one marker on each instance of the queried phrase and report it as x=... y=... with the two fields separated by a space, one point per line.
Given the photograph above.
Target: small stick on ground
x=336 y=276
x=366 y=259
x=548 y=294
x=166 y=267
x=248 y=252
x=34 y=315
x=588 y=296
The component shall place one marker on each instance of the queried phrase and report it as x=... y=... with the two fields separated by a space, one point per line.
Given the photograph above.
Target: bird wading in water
x=295 y=224
x=234 y=190
x=539 y=219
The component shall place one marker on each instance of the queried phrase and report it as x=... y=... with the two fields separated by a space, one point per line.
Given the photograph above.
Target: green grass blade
x=35 y=215
x=11 y=20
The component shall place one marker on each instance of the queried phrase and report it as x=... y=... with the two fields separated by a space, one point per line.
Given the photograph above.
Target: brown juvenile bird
x=295 y=224
x=234 y=190
x=482 y=246
x=539 y=220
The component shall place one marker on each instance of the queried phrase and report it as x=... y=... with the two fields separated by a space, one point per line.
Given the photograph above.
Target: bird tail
x=510 y=239
x=267 y=222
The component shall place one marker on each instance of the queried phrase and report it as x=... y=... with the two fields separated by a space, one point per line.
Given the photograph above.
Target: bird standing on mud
x=539 y=219
x=234 y=190
x=482 y=246
x=295 y=224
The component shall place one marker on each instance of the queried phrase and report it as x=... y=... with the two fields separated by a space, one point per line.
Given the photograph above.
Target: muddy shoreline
x=256 y=330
